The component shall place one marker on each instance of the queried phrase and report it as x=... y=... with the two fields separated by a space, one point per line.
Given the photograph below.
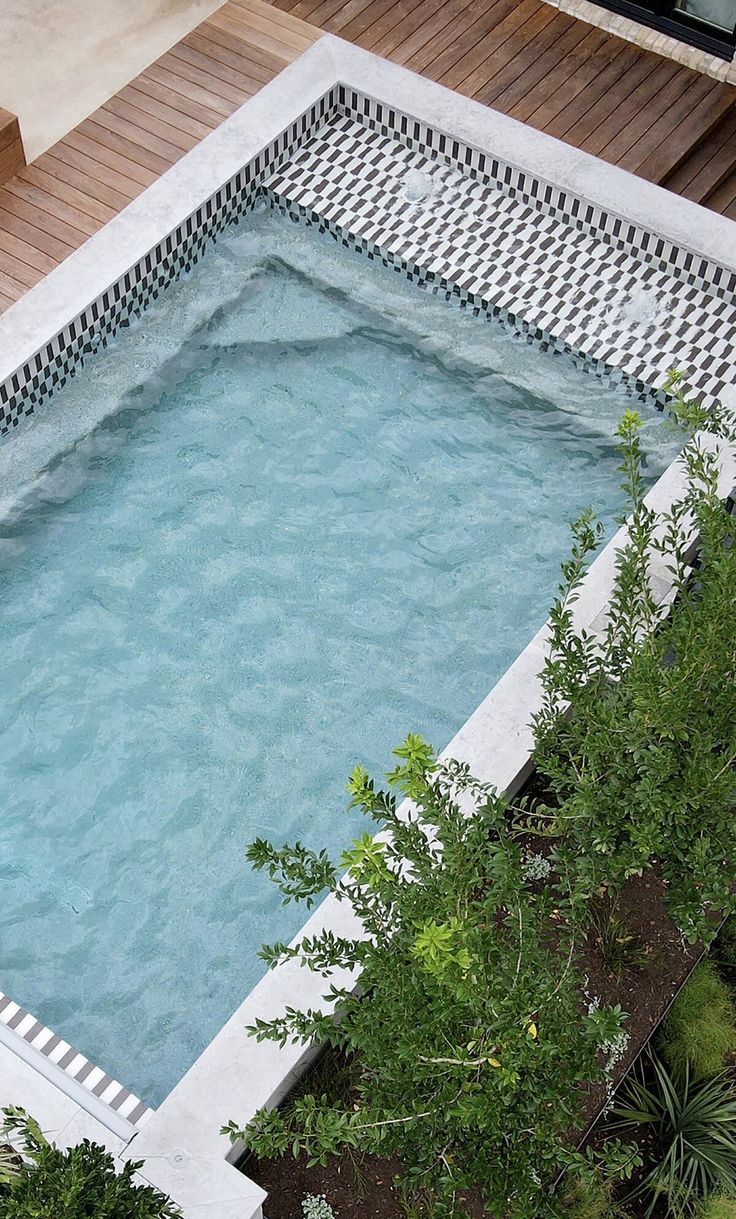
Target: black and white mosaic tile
x=624 y=302
x=49 y=369
x=96 y=1081
x=575 y=290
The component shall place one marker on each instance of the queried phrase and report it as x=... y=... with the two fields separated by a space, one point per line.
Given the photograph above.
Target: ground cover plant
x=80 y=1183
x=474 y=1033
x=699 y=1032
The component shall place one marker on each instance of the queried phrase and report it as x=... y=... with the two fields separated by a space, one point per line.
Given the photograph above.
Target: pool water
x=302 y=530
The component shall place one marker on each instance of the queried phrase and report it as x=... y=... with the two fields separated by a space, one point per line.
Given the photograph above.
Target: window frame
x=661 y=15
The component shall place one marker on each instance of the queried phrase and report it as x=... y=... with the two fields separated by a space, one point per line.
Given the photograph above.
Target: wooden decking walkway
x=53 y=205
x=591 y=89
x=524 y=57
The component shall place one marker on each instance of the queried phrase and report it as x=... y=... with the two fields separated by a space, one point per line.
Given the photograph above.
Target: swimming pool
x=299 y=510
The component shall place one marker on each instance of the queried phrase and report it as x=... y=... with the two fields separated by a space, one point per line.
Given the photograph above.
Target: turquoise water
x=301 y=531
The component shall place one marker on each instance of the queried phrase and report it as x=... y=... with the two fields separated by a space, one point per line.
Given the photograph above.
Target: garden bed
x=645 y=988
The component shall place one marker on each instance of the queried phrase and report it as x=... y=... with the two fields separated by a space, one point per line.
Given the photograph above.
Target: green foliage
x=717 y=1206
x=81 y=1183
x=620 y=948
x=642 y=769
x=724 y=951
x=586 y=1198
x=694 y=1124
x=700 y=1028
x=470 y=1039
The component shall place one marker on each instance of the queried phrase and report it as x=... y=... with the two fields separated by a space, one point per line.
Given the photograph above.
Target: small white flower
x=316 y=1206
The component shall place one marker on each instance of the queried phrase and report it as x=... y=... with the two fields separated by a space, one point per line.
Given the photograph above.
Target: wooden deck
x=524 y=57
x=589 y=88
x=52 y=206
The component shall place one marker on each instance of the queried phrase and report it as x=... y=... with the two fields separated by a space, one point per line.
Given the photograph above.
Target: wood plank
x=10 y=161
x=573 y=98
x=633 y=105
x=11 y=288
x=99 y=128
x=20 y=271
x=321 y=12
x=148 y=117
x=532 y=60
x=51 y=209
x=25 y=252
x=564 y=79
x=12 y=155
x=503 y=64
x=399 y=13
x=228 y=20
x=178 y=110
x=180 y=77
x=672 y=139
x=65 y=162
x=39 y=224
x=284 y=20
x=710 y=165
x=223 y=64
x=636 y=116
x=57 y=188
x=437 y=34
x=540 y=68
x=471 y=50
x=106 y=155
x=418 y=29
x=14 y=220
x=602 y=110
x=664 y=117
x=355 y=29
x=622 y=62
x=9 y=129
x=263 y=20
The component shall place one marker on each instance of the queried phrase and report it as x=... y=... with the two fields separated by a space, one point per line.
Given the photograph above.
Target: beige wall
x=61 y=59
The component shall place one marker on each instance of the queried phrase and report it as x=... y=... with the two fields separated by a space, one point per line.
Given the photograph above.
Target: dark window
x=709 y=24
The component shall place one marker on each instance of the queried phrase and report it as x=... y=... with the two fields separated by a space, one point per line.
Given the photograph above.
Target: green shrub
x=641 y=773
x=700 y=1028
x=693 y=1125
x=470 y=1040
x=81 y=1183
x=717 y=1206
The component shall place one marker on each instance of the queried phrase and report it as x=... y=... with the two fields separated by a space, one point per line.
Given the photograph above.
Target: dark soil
x=363 y=1191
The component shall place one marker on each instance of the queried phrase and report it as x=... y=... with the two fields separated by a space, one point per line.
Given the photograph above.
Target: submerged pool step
x=576 y=290
x=104 y=1097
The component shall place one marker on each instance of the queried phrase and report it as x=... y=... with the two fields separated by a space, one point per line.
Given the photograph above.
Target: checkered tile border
x=74 y=1064
x=617 y=314
x=49 y=369
x=534 y=192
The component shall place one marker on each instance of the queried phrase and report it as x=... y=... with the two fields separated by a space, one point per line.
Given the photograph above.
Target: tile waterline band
x=107 y=1099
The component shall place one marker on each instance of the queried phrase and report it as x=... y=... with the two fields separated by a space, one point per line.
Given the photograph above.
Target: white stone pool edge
x=183 y=1152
